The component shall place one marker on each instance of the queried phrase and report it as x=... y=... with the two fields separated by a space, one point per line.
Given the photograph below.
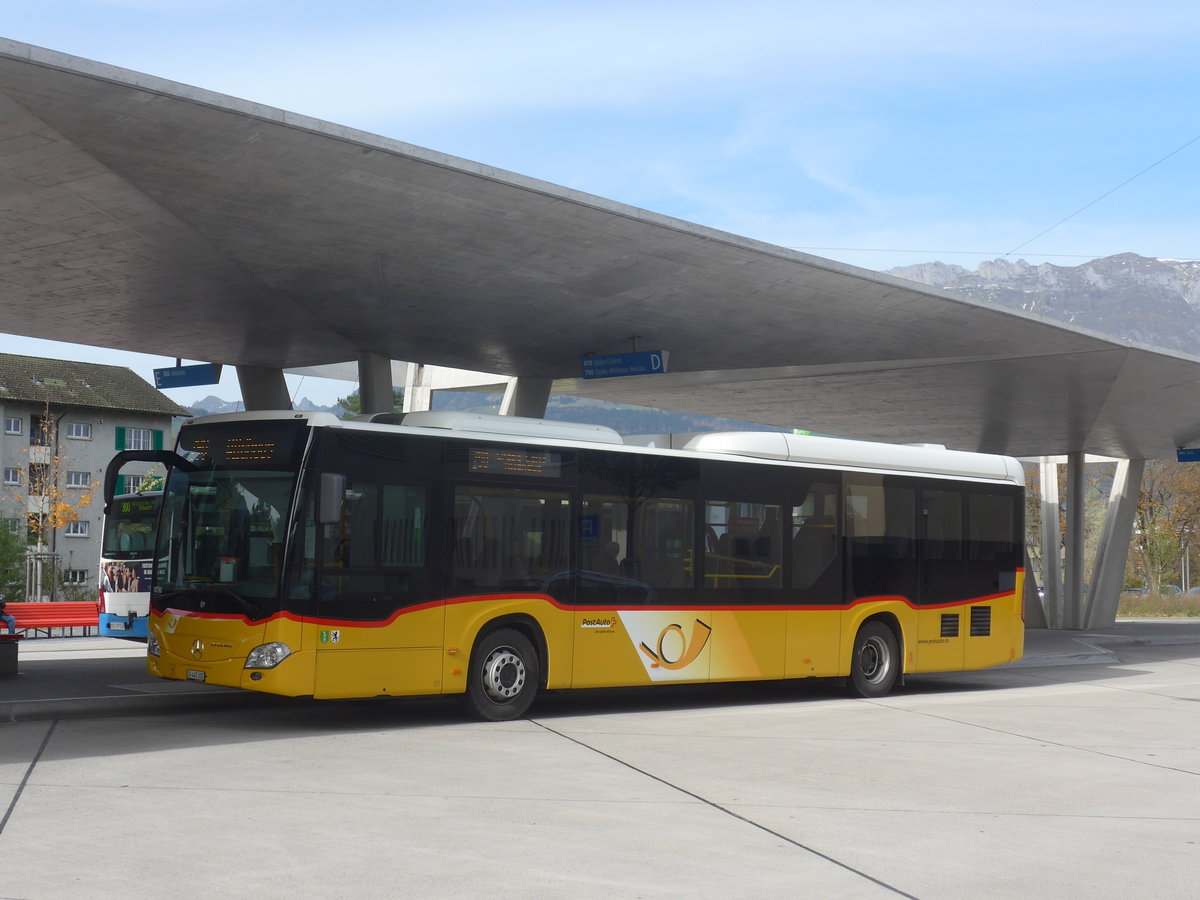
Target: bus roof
x=810 y=450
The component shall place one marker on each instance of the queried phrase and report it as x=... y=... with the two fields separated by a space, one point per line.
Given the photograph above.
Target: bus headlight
x=268 y=656
x=152 y=648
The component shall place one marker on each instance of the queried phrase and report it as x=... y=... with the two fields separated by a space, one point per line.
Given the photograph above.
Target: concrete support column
x=527 y=397
x=375 y=384
x=1073 y=595
x=1051 y=548
x=1108 y=576
x=1032 y=610
x=263 y=388
x=418 y=393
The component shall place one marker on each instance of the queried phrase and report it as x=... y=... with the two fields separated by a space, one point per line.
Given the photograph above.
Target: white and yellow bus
x=492 y=557
x=126 y=552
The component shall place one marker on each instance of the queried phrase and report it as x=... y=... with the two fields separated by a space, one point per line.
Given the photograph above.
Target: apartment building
x=63 y=421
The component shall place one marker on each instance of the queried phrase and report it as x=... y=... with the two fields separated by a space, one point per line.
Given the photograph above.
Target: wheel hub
x=503 y=674
x=874 y=660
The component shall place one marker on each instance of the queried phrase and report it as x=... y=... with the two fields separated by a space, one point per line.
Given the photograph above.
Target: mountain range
x=211 y=406
x=1128 y=297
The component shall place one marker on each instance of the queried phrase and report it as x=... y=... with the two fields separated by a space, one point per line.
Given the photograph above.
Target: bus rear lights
x=268 y=656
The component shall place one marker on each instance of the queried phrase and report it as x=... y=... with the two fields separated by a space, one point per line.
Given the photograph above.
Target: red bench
x=38 y=616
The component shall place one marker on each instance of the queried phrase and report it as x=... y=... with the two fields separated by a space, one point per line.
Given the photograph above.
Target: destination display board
x=514 y=461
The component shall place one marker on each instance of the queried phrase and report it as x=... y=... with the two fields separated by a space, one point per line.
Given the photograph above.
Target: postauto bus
x=493 y=557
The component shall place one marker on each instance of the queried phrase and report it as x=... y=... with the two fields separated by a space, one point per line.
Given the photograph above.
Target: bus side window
x=993 y=544
x=664 y=539
x=942 y=546
x=815 y=542
x=749 y=546
x=509 y=538
x=880 y=536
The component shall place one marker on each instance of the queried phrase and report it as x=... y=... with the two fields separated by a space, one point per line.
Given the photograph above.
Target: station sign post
x=187 y=376
x=616 y=365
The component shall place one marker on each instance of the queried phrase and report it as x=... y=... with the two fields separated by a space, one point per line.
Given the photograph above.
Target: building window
x=78 y=528
x=75 y=576
x=139 y=439
x=39 y=431
x=81 y=431
x=13 y=525
x=12 y=475
x=13 y=425
x=79 y=479
x=133 y=484
x=39 y=478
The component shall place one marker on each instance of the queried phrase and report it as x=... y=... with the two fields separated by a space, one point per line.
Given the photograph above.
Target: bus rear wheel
x=875 y=665
x=503 y=676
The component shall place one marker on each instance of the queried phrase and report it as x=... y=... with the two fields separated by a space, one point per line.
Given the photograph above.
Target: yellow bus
x=494 y=557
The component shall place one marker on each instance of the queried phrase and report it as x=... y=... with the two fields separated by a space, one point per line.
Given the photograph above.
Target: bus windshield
x=223 y=524
x=129 y=528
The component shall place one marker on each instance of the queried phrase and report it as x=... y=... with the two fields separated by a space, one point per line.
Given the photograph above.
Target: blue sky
x=875 y=133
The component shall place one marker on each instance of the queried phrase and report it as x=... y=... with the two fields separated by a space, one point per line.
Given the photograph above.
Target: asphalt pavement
x=1072 y=773
x=98 y=676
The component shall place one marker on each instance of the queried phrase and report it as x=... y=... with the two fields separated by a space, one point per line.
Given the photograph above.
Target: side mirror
x=330 y=499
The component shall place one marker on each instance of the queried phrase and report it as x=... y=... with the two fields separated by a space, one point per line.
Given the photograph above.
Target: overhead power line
x=1020 y=246
x=1102 y=196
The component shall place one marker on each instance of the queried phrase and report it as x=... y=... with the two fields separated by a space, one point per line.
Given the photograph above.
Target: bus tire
x=503 y=676
x=875 y=665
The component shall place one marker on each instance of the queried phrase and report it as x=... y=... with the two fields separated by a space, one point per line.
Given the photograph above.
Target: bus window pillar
x=263 y=388
x=375 y=383
x=1108 y=575
x=526 y=397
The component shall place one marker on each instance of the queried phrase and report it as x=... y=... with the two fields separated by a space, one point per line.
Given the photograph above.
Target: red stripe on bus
x=545 y=598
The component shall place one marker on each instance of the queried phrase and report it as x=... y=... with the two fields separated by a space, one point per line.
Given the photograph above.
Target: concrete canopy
x=151 y=216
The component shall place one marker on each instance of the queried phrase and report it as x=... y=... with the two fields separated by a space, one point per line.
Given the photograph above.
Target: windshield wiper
x=197 y=591
x=167 y=596
x=246 y=605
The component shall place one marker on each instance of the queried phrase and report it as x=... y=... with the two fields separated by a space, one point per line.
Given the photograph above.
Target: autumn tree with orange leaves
x=50 y=505
x=1167 y=524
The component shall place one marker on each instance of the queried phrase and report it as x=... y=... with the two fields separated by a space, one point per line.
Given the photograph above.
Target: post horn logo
x=691 y=649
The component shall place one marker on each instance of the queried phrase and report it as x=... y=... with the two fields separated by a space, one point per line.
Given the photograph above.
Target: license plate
x=196 y=675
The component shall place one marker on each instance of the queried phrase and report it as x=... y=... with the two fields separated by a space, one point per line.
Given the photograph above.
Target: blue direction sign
x=185 y=376
x=647 y=362
x=1188 y=454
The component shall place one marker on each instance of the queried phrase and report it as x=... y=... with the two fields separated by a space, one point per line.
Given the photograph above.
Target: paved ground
x=1073 y=773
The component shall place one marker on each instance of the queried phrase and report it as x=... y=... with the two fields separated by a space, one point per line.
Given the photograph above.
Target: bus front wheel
x=503 y=676
x=875 y=665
